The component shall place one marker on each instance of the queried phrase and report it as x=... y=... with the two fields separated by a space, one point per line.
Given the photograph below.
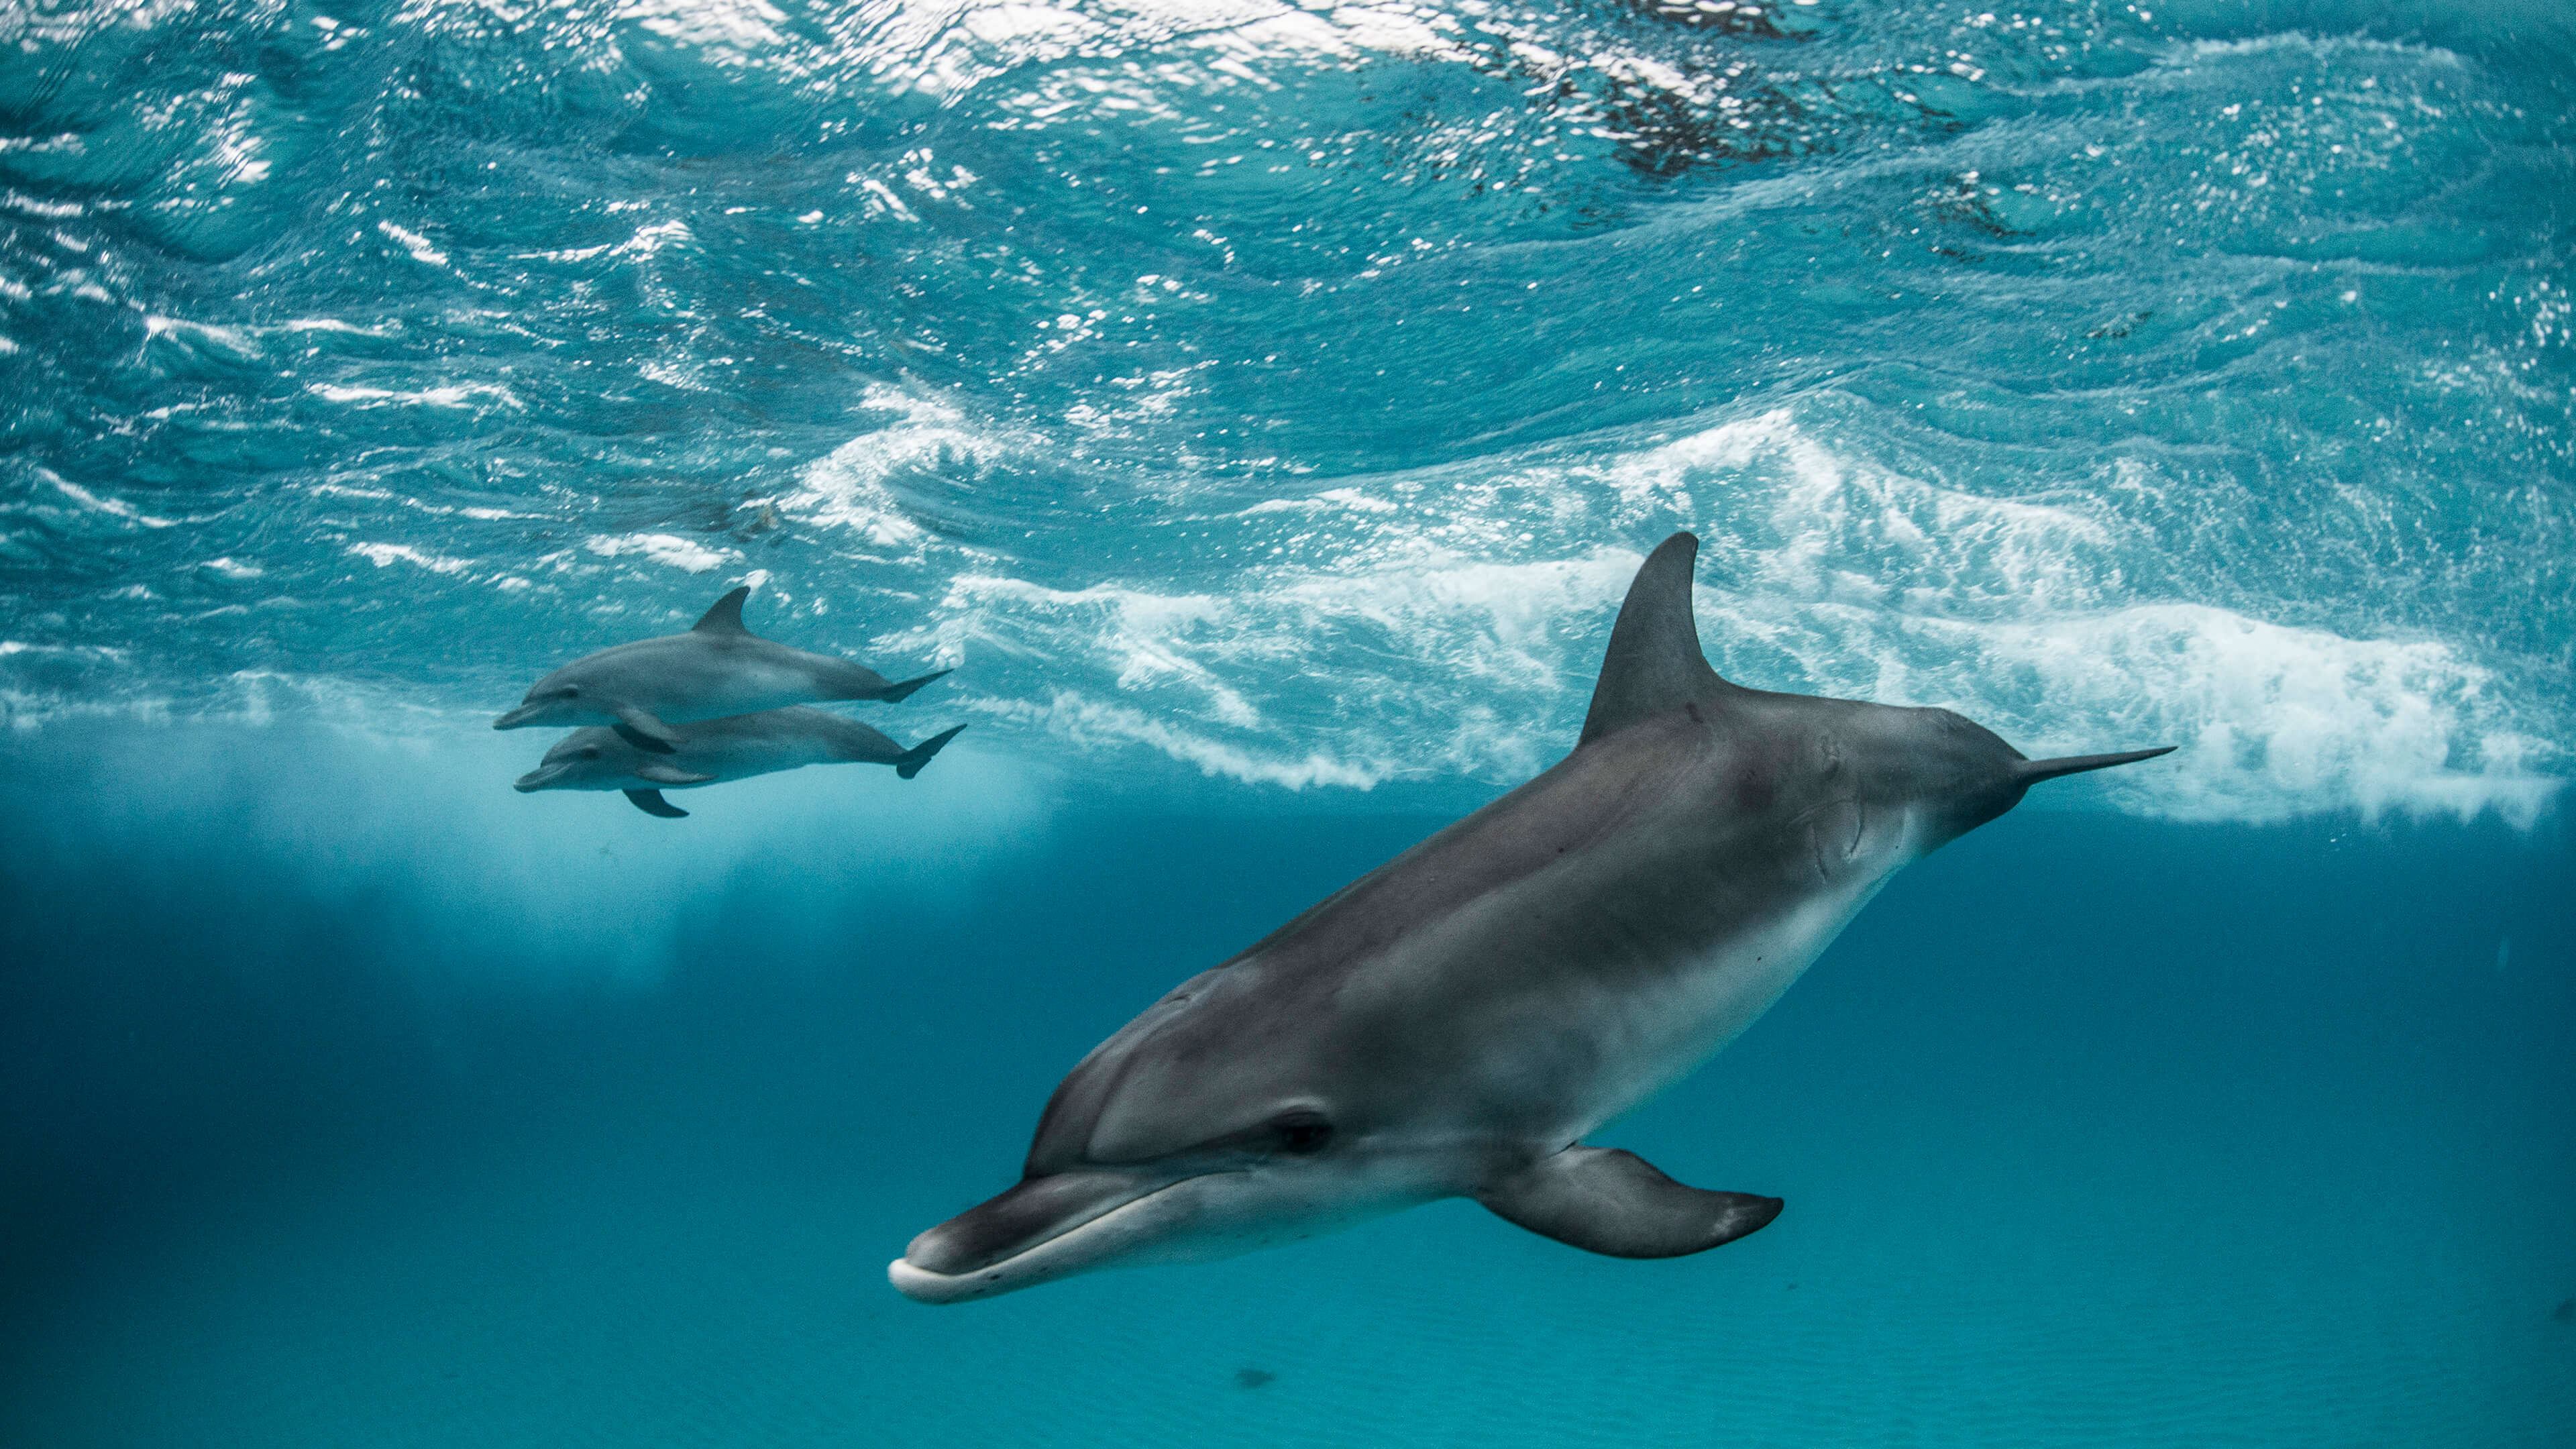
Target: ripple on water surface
x=1285 y=392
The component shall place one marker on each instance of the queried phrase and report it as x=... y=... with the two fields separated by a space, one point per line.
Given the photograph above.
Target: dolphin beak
x=514 y=718
x=2031 y=772
x=990 y=1248
x=538 y=778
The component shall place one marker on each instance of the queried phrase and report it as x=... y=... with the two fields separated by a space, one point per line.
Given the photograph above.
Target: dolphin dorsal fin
x=725 y=615
x=1653 y=665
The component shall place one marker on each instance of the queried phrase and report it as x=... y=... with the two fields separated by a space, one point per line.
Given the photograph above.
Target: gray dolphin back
x=834 y=678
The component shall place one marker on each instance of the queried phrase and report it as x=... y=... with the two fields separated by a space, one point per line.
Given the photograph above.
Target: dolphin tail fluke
x=919 y=755
x=652 y=803
x=2034 y=771
x=1653 y=665
x=1616 y=1203
x=897 y=693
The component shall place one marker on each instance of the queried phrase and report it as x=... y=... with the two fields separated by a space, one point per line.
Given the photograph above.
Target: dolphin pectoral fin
x=639 y=728
x=1603 y=1200
x=652 y=803
x=1653 y=665
x=641 y=740
x=671 y=775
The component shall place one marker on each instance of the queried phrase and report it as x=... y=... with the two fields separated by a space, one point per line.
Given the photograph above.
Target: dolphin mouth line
x=924 y=1285
x=536 y=779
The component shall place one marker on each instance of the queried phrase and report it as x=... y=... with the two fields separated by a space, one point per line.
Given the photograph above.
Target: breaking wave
x=1283 y=394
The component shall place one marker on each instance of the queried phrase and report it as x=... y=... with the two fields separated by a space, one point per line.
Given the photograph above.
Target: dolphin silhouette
x=707 y=752
x=718 y=668
x=1454 y=1022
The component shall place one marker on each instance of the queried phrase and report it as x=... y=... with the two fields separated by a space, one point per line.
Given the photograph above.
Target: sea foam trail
x=1397 y=648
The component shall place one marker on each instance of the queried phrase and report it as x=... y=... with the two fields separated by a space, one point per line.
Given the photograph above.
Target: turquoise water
x=1261 y=409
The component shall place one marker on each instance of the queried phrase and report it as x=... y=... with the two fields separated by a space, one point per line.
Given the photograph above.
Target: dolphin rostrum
x=717 y=668
x=1454 y=1022
x=706 y=752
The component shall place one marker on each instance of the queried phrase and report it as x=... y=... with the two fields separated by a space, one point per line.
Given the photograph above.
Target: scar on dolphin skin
x=1453 y=1023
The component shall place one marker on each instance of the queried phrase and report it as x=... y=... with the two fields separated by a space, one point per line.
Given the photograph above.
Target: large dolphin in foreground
x=1454 y=1022
x=718 y=668
x=708 y=752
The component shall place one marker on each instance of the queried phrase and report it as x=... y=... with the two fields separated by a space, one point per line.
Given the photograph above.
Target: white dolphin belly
x=1660 y=1034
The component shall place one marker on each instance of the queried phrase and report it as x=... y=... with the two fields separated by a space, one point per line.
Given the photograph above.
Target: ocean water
x=1261 y=407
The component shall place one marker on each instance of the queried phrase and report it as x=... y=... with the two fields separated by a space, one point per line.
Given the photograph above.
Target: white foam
x=223 y=339
x=2274 y=721
x=1098 y=724
x=45 y=685
x=112 y=507
x=1418 y=639
x=386 y=555
x=945 y=50
x=848 y=488
x=668 y=549
x=1444 y=625
x=453 y=395
x=414 y=243
x=727 y=32
x=1262 y=686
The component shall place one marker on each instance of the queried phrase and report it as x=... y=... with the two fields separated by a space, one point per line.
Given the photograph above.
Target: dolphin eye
x=590 y=752
x=1301 y=1133
x=568 y=691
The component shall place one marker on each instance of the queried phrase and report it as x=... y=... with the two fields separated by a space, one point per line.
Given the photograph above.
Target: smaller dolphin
x=718 y=668
x=710 y=751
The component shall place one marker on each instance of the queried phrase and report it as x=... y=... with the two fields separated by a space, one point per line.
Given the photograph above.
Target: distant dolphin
x=718 y=668
x=710 y=751
x=1453 y=1023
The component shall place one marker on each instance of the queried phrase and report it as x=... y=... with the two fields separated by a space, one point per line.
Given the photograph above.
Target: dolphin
x=1455 y=1022
x=717 y=668
x=736 y=747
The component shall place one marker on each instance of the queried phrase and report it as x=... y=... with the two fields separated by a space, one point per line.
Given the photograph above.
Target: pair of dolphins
x=716 y=703
x=1457 y=1021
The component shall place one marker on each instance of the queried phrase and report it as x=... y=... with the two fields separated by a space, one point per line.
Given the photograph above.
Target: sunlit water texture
x=1261 y=407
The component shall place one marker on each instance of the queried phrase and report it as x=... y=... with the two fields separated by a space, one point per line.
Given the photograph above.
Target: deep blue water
x=2092 y=1130
x=1261 y=408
